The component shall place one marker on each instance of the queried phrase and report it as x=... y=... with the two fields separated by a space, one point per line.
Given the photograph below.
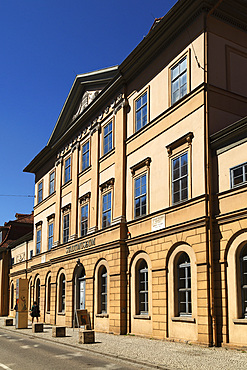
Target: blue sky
x=44 y=44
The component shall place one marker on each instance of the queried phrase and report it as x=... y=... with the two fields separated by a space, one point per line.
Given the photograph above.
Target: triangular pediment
x=84 y=91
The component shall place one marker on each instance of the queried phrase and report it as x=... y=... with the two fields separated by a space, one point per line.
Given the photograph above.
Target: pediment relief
x=86 y=99
x=91 y=127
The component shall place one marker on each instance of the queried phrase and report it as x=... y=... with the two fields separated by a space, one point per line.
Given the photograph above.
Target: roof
x=16 y=228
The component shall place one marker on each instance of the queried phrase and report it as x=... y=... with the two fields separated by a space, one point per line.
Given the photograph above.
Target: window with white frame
x=142 y=284
x=50 y=234
x=38 y=240
x=12 y=296
x=184 y=285
x=40 y=192
x=140 y=201
x=52 y=182
x=107 y=138
x=179 y=80
x=103 y=289
x=180 y=178
x=238 y=175
x=243 y=271
x=67 y=170
x=66 y=228
x=141 y=112
x=106 y=209
x=85 y=156
x=84 y=219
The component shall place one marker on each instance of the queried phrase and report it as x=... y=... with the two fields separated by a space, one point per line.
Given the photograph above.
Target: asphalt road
x=19 y=352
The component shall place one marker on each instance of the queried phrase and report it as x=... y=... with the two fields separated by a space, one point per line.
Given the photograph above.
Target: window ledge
x=66 y=184
x=142 y=317
x=102 y=315
x=106 y=155
x=61 y=313
x=87 y=169
x=240 y=321
x=184 y=319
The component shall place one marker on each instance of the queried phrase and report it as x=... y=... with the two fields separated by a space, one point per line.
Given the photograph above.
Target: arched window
x=142 y=284
x=48 y=294
x=243 y=269
x=103 y=289
x=12 y=297
x=62 y=293
x=184 y=285
x=37 y=292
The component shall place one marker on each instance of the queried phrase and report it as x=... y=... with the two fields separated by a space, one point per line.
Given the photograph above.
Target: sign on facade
x=158 y=223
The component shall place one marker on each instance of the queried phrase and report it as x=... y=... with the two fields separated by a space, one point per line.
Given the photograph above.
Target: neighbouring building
x=9 y=233
x=140 y=208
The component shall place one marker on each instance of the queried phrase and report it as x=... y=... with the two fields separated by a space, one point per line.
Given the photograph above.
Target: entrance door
x=82 y=286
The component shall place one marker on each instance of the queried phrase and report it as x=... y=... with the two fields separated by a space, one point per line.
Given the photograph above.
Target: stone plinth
x=8 y=322
x=58 y=331
x=38 y=327
x=86 y=336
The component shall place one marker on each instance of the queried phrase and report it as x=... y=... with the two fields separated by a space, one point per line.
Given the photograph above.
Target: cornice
x=235 y=131
x=179 y=228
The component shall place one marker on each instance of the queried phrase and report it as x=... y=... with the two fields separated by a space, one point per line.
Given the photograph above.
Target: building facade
x=9 y=233
x=125 y=218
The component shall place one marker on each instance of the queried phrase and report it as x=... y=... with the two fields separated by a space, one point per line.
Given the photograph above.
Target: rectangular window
x=38 y=241
x=180 y=178
x=84 y=220
x=52 y=183
x=40 y=192
x=107 y=140
x=179 y=80
x=67 y=170
x=106 y=210
x=238 y=175
x=85 y=156
x=66 y=228
x=140 y=196
x=31 y=254
x=141 y=112
x=50 y=235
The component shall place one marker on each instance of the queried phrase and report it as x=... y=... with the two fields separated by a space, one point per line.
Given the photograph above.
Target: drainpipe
x=208 y=185
x=26 y=257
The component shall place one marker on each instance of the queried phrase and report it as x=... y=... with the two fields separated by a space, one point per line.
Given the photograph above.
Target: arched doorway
x=37 y=292
x=80 y=287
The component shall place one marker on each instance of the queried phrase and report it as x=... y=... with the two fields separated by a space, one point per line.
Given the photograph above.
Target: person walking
x=35 y=312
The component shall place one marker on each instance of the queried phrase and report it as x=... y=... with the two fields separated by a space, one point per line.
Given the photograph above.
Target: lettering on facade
x=80 y=246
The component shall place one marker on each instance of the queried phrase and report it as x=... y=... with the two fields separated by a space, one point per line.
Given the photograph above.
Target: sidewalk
x=156 y=353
